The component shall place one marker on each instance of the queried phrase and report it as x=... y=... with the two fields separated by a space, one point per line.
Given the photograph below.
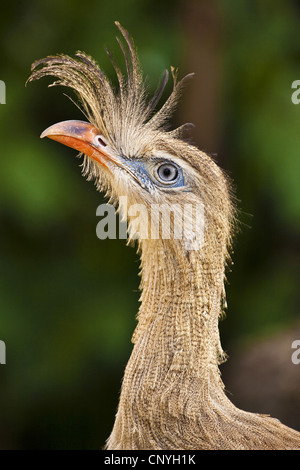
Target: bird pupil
x=167 y=172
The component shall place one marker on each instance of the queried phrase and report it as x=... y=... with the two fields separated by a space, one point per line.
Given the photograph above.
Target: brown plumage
x=172 y=395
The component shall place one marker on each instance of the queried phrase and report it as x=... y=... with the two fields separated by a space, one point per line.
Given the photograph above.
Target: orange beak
x=82 y=136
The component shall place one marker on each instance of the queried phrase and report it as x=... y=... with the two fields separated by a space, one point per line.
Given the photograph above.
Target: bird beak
x=82 y=136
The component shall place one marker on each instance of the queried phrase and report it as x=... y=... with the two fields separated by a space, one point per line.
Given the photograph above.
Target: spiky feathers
x=123 y=116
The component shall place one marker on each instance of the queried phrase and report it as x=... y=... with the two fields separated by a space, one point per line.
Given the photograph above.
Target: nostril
x=100 y=141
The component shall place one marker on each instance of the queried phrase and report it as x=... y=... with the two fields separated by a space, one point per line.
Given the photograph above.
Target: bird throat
x=173 y=367
x=180 y=304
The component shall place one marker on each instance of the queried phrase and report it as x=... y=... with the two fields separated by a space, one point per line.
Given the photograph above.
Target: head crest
x=112 y=110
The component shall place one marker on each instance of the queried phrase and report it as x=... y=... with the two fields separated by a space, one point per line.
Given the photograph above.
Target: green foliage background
x=68 y=300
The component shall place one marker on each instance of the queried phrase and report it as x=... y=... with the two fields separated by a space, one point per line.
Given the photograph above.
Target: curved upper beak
x=82 y=136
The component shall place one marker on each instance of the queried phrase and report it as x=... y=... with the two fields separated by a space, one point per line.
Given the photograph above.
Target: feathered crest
x=116 y=113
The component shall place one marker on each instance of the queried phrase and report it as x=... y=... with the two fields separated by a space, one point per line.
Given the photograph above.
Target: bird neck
x=172 y=374
x=172 y=395
x=180 y=307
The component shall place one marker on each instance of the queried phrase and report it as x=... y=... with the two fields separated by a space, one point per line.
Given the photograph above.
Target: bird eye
x=167 y=173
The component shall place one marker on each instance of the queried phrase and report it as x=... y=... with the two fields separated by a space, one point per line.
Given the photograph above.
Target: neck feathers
x=181 y=303
x=172 y=395
x=173 y=368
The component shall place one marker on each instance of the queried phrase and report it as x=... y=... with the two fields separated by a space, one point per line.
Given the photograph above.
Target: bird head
x=128 y=149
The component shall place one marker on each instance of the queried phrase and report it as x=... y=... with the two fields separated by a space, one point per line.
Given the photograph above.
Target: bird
x=172 y=394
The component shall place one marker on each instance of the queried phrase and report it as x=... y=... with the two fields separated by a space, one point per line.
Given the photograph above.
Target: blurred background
x=68 y=300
